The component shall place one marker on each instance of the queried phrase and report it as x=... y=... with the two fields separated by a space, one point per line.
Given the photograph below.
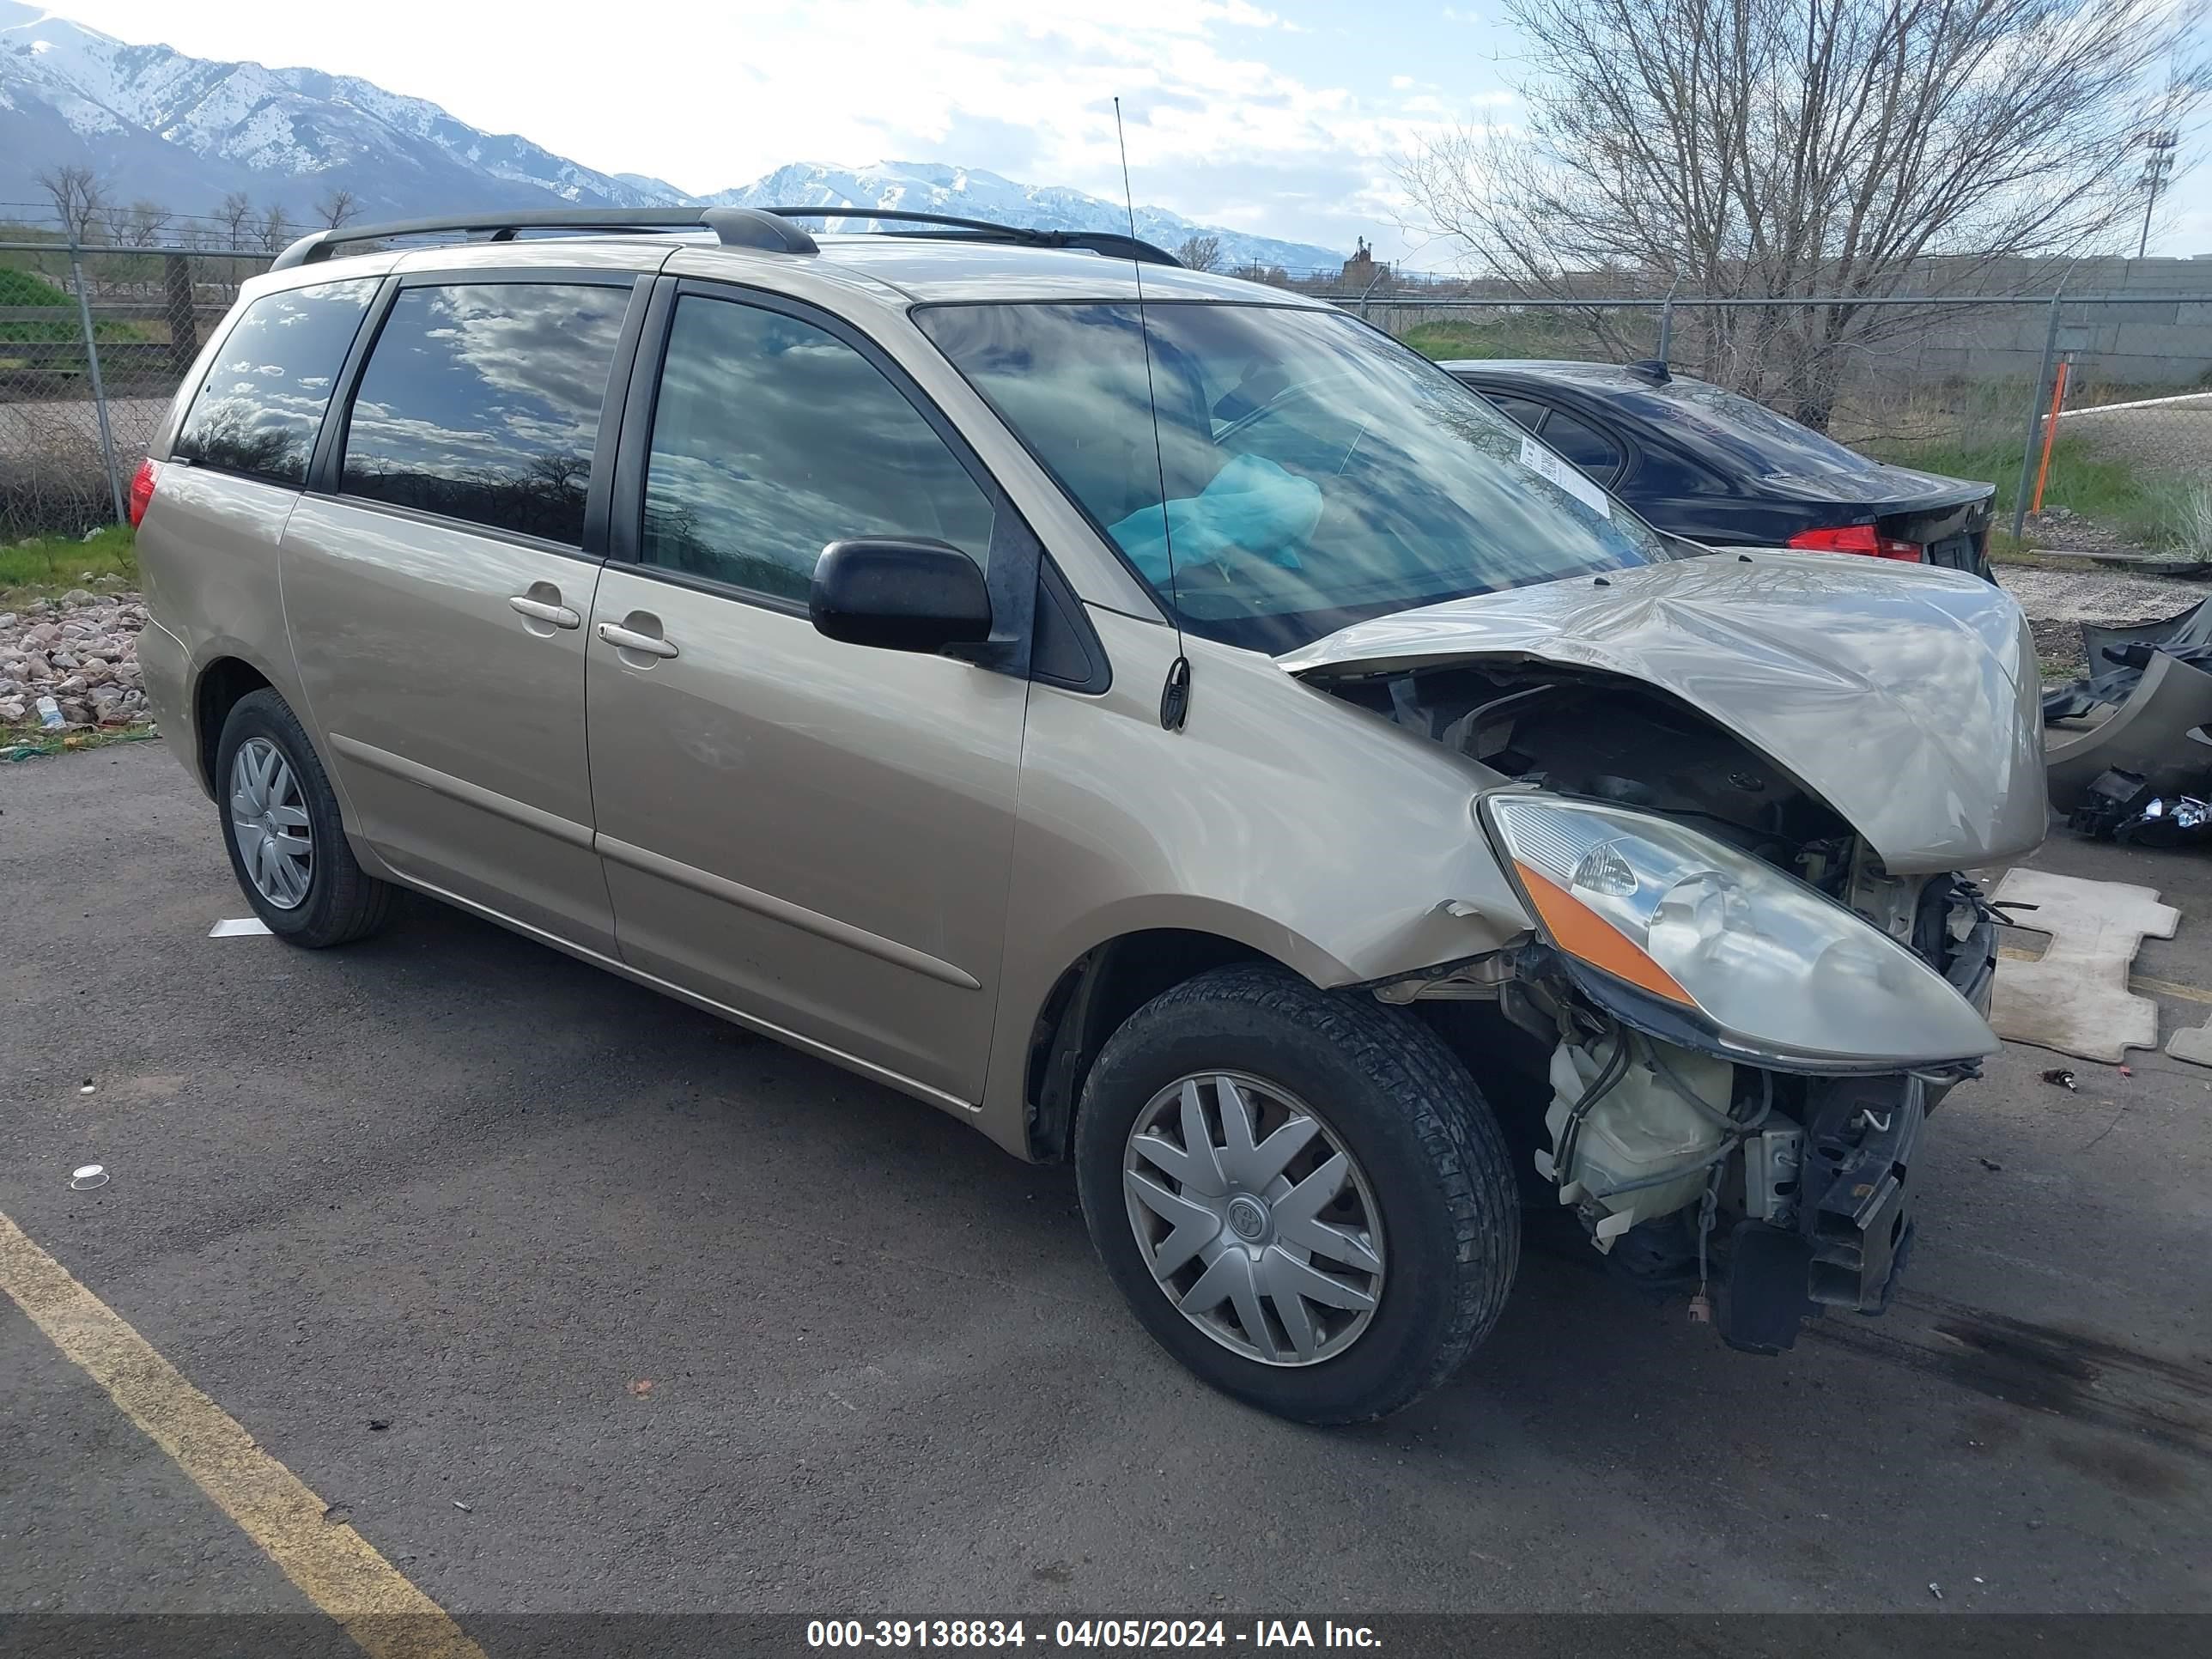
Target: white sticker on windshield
x=1563 y=473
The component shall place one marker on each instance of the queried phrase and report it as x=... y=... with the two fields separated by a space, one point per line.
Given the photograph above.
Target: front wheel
x=1302 y=1195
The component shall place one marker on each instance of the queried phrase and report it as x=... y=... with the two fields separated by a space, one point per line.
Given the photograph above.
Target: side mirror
x=904 y=595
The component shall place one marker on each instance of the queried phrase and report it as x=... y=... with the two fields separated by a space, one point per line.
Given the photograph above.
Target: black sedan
x=1700 y=461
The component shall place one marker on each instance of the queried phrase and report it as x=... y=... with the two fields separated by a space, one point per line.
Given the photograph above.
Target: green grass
x=2111 y=492
x=24 y=288
x=1518 y=334
x=54 y=564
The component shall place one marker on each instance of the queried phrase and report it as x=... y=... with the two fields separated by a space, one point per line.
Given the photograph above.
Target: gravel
x=81 y=650
x=2057 y=603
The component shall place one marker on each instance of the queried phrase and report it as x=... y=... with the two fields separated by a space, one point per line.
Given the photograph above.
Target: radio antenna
x=1175 y=695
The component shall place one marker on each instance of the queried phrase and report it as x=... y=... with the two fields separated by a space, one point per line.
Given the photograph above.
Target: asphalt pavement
x=569 y=1299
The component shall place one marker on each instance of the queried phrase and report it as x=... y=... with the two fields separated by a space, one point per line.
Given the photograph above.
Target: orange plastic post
x=2051 y=429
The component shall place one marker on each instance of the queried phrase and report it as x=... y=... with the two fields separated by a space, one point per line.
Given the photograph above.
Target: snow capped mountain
x=158 y=125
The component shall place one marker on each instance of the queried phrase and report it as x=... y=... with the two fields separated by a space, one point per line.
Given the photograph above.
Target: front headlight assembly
x=1688 y=935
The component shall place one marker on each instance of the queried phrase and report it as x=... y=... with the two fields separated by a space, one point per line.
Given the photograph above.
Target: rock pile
x=81 y=650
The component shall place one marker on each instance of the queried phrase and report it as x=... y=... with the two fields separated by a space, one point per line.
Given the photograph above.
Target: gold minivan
x=1156 y=717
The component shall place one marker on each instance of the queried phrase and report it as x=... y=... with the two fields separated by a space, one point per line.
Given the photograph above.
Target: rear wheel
x=1302 y=1195
x=281 y=825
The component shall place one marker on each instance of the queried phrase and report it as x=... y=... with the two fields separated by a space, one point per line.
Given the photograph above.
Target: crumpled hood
x=1907 y=698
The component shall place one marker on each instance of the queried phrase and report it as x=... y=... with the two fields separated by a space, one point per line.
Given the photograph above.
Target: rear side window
x=481 y=401
x=1587 y=447
x=263 y=401
x=772 y=439
x=1520 y=410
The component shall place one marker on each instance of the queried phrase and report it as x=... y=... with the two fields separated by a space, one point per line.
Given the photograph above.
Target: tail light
x=141 y=489
x=1856 y=538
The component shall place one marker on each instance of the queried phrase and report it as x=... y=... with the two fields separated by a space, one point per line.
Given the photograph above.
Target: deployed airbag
x=1252 y=506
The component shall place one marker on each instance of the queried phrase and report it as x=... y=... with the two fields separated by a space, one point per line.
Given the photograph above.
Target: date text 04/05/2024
x=1086 y=1633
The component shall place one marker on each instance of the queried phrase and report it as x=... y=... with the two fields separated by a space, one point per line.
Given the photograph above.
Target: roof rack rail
x=1113 y=244
x=770 y=229
x=735 y=227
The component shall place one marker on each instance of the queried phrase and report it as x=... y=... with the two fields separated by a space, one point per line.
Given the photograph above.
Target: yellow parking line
x=333 y=1565
x=2137 y=982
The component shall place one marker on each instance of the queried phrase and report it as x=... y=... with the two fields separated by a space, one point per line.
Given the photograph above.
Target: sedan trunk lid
x=1906 y=697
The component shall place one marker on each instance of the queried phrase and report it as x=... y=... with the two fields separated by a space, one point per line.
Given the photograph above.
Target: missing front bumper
x=1854 y=1219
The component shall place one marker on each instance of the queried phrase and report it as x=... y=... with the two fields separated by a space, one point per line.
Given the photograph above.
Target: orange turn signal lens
x=1587 y=937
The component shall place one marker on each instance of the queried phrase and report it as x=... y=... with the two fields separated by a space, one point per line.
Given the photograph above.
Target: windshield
x=1309 y=472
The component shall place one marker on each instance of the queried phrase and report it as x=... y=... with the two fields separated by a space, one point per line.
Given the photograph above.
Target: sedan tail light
x=141 y=489
x=1856 y=538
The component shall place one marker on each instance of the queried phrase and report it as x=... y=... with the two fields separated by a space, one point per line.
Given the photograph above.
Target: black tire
x=1412 y=1118
x=342 y=902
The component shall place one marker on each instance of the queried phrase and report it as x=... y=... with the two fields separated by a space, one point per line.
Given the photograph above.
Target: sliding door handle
x=559 y=615
x=628 y=638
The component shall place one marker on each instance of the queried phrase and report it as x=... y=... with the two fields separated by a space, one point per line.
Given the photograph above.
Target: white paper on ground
x=238 y=927
x=1566 y=474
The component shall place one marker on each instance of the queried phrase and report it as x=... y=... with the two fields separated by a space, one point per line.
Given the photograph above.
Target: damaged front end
x=1719 y=1047
x=1755 y=1150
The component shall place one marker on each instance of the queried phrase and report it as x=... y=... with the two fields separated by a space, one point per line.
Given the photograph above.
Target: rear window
x=1753 y=440
x=481 y=401
x=262 y=403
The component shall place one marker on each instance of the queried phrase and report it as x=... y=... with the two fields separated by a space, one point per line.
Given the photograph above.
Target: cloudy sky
x=1278 y=117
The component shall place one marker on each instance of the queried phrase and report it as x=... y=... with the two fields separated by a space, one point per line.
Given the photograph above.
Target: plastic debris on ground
x=239 y=927
x=2117 y=657
x=86 y=1176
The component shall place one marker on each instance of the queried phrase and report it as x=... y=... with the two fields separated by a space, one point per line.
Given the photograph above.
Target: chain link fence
x=94 y=342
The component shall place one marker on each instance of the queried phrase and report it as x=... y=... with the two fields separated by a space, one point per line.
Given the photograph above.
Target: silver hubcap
x=268 y=816
x=1256 y=1221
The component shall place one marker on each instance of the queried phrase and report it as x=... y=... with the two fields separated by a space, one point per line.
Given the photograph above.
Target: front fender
x=1280 y=818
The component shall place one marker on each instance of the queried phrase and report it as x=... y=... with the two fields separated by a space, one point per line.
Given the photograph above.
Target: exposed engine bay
x=1776 y=1188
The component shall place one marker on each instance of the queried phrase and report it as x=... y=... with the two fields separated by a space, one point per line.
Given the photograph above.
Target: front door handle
x=626 y=638
x=538 y=611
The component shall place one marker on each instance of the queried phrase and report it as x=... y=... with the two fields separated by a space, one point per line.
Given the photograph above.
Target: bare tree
x=1200 y=250
x=149 y=226
x=1796 y=149
x=135 y=224
x=275 y=228
x=78 y=197
x=337 y=207
x=235 y=213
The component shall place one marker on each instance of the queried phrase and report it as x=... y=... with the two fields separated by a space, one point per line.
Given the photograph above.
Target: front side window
x=481 y=401
x=1316 y=474
x=772 y=438
x=262 y=403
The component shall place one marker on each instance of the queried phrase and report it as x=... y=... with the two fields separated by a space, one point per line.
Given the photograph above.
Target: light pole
x=2156 y=166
